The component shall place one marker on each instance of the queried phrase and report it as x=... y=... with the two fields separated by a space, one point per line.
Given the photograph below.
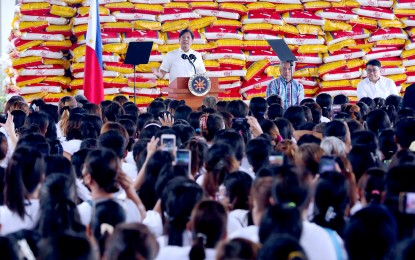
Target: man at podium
x=183 y=62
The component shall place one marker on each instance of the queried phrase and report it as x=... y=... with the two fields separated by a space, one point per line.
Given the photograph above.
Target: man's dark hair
x=186 y=31
x=374 y=63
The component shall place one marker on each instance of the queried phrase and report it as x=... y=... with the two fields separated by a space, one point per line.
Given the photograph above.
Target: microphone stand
x=291 y=85
x=192 y=62
x=185 y=57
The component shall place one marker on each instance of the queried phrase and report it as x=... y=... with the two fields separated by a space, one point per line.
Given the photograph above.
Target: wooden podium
x=179 y=90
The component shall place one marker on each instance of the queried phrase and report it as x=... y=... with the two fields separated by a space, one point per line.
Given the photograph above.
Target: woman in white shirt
x=178 y=200
x=102 y=174
x=66 y=104
x=23 y=178
x=208 y=223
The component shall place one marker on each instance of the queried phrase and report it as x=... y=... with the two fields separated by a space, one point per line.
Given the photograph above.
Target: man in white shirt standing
x=375 y=85
x=178 y=63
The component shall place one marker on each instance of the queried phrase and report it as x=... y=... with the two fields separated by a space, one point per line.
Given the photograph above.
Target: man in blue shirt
x=290 y=91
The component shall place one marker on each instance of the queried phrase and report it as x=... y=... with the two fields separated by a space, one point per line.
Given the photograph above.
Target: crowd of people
x=265 y=181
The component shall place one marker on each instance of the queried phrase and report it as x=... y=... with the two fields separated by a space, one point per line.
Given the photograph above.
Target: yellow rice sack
x=201 y=22
x=159 y=9
x=260 y=6
x=331 y=66
x=63 y=11
x=335 y=83
x=147 y=67
x=255 y=69
x=273 y=71
x=391 y=24
x=240 y=8
x=84 y=11
x=346 y=3
x=226 y=22
x=168 y=47
x=28 y=45
x=147 y=25
x=175 y=25
x=64 y=63
x=286 y=28
x=306 y=49
x=330 y=26
x=283 y=8
x=310 y=29
x=120 y=48
x=340 y=45
x=355 y=63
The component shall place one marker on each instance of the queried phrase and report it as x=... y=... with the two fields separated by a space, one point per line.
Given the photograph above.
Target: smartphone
x=327 y=164
x=335 y=110
x=184 y=159
x=168 y=142
x=407 y=202
x=3 y=117
x=277 y=159
x=239 y=120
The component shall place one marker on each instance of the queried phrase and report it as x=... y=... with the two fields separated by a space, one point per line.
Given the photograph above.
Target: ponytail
x=197 y=251
x=175 y=231
x=63 y=123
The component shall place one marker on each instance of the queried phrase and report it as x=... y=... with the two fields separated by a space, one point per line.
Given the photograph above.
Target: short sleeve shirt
x=178 y=67
x=382 y=88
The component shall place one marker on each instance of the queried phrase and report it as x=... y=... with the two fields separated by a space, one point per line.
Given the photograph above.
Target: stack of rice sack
x=120 y=23
x=405 y=11
x=225 y=58
x=332 y=41
x=40 y=40
x=388 y=39
x=364 y=33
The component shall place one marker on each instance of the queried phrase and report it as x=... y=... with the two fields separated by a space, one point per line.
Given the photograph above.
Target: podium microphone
x=185 y=57
x=190 y=58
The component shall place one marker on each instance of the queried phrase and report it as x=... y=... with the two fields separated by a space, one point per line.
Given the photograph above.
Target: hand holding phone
x=168 y=142
x=407 y=202
x=184 y=159
x=327 y=164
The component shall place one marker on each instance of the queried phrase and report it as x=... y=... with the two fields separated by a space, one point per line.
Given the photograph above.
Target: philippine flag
x=93 y=81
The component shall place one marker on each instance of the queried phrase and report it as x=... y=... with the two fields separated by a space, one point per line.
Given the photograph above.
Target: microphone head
x=185 y=57
x=192 y=57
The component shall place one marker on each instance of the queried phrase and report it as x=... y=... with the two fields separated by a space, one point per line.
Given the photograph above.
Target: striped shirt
x=291 y=92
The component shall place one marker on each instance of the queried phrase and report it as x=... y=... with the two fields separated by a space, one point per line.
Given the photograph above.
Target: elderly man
x=290 y=91
x=177 y=62
x=375 y=85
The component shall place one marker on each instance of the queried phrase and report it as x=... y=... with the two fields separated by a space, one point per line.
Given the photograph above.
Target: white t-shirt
x=130 y=170
x=71 y=146
x=240 y=216
x=59 y=132
x=10 y=149
x=130 y=159
x=186 y=239
x=317 y=243
x=249 y=232
x=382 y=88
x=178 y=67
x=132 y=212
x=154 y=223
x=11 y=222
